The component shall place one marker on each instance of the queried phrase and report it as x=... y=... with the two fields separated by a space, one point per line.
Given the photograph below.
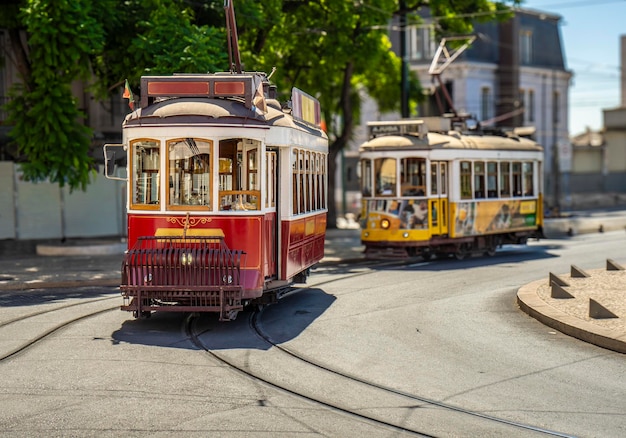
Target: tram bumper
x=182 y=274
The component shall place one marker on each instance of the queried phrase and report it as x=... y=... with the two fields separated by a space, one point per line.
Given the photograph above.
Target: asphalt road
x=446 y=331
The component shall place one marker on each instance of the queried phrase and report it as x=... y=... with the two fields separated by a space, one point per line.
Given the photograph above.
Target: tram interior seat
x=413 y=191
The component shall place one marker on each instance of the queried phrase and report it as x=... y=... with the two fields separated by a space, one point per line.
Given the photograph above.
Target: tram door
x=271 y=201
x=438 y=200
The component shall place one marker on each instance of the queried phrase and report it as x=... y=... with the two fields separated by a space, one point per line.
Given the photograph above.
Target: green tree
x=58 y=42
x=335 y=49
x=48 y=127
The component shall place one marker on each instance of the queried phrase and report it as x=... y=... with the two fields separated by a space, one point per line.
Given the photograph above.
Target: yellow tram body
x=433 y=186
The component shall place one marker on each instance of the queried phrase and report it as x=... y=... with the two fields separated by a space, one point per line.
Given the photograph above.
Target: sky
x=590 y=34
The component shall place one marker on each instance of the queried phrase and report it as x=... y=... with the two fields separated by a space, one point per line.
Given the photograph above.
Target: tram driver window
x=146 y=170
x=385 y=176
x=189 y=161
x=239 y=183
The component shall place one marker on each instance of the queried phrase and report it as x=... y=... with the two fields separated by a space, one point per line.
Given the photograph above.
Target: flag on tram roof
x=128 y=94
x=259 y=95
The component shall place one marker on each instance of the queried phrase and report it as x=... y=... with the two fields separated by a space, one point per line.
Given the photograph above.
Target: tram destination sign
x=380 y=129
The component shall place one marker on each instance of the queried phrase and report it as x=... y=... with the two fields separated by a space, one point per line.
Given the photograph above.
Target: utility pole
x=404 y=80
x=556 y=171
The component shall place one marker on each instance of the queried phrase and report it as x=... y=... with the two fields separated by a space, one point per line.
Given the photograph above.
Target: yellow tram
x=439 y=186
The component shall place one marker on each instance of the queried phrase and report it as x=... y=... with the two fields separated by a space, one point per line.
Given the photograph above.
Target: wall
x=36 y=211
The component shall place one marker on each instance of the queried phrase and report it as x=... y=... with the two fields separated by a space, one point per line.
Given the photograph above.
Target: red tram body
x=226 y=193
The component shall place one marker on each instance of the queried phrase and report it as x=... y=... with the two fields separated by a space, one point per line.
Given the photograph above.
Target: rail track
x=22 y=332
x=319 y=381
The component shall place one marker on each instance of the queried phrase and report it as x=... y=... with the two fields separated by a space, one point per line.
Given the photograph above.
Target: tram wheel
x=461 y=252
x=491 y=251
x=427 y=255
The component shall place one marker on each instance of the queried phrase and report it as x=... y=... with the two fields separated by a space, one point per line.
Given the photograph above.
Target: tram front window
x=145 y=176
x=189 y=172
x=385 y=174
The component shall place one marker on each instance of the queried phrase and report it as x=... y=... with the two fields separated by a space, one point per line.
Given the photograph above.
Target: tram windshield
x=189 y=171
x=146 y=164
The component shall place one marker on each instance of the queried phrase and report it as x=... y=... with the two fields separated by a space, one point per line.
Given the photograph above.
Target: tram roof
x=453 y=140
x=198 y=110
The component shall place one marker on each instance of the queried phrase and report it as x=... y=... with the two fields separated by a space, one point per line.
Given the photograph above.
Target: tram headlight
x=185 y=259
x=385 y=224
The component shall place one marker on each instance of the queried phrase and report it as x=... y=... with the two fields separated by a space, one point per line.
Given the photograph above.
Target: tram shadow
x=505 y=254
x=278 y=322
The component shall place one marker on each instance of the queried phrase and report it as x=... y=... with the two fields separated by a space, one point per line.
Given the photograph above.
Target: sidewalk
x=97 y=263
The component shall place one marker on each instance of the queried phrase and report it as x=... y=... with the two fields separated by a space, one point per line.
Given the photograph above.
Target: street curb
x=530 y=303
x=59 y=284
x=74 y=250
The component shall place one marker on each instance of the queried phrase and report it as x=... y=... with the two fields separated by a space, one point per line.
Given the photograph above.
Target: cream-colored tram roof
x=283 y=130
x=436 y=140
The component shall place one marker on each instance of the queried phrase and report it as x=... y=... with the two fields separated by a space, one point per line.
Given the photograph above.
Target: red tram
x=226 y=193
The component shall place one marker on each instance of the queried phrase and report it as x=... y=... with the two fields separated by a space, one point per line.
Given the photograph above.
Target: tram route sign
x=305 y=108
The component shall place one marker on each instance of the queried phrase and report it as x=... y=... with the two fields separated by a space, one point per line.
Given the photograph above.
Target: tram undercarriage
x=441 y=247
x=193 y=274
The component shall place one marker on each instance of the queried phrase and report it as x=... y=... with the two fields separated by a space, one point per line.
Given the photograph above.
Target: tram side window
x=302 y=186
x=366 y=178
x=466 y=180
x=315 y=172
x=146 y=172
x=479 y=179
x=189 y=164
x=270 y=180
x=517 y=178
x=505 y=179
x=443 y=171
x=385 y=174
x=527 y=170
x=296 y=183
x=413 y=176
x=322 y=177
x=306 y=195
x=492 y=179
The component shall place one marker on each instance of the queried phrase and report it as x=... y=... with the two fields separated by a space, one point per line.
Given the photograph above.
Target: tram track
x=296 y=373
x=29 y=325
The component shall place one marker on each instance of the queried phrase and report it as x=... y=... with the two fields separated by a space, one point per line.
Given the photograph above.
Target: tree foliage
x=336 y=50
x=47 y=124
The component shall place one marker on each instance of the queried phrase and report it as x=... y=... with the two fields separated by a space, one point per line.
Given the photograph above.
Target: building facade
x=512 y=75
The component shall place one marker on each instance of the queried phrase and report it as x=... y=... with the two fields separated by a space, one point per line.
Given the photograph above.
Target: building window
x=526 y=46
x=555 y=107
x=530 y=108
x=420 y=42
x=485 y=101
